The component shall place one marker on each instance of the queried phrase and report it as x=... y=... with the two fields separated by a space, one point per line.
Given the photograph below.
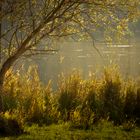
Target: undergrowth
x=83 y=103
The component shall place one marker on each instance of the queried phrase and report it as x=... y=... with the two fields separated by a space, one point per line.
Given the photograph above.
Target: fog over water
x=84 y=57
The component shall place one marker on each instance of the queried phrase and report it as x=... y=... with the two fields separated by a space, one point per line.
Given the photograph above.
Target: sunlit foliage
x=81 y=102
x=24 y=24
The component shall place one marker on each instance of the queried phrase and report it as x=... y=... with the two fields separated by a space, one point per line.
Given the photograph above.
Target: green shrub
x=130 y=100
x=68 y=95
x=111 y=95
x=9 y=126
x=26 y=94
x=137 y=107
x=91 y=104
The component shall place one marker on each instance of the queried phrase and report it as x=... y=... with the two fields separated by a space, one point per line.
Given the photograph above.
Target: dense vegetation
x=83 y=104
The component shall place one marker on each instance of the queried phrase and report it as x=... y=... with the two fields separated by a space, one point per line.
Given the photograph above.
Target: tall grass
x=111 y=95
x=82 y=102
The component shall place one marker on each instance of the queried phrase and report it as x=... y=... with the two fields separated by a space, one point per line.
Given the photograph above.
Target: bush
x=111 y=95
x=25 y=94
x=90 y=108
x=130 y=100
x=68 y=95
x=137 y=107
x=9 y=126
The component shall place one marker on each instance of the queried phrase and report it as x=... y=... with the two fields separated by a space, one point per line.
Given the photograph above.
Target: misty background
x=87 y=58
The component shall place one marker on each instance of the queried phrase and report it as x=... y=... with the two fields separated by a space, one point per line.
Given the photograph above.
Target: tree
x=25 y=23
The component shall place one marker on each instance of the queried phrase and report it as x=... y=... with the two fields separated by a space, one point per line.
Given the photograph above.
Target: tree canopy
x=24 y=24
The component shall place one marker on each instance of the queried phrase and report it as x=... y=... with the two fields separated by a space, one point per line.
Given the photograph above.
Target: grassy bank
x=103 y=131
